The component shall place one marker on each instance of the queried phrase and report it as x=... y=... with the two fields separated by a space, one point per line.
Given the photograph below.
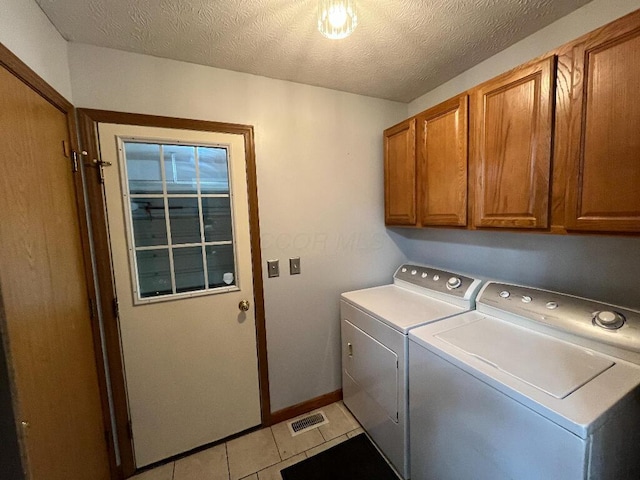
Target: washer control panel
x=602 y=322
x=433 y=279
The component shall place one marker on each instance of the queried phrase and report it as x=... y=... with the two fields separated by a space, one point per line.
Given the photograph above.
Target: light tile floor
x=260 y=455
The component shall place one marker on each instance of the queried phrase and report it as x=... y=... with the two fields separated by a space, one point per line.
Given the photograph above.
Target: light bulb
x=337 y=16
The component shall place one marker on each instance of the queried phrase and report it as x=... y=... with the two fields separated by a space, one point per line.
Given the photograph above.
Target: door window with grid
x=180 y=225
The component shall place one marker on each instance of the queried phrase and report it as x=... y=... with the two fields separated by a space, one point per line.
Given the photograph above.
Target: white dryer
x=532 y=385
x=374 y=325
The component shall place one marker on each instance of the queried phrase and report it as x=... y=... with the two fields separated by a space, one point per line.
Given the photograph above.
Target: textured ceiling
x=400 y=50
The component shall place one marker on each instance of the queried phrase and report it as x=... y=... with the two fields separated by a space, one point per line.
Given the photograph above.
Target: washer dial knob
x=504 y=294
x=436 y=277
x=453 y=283
x=608 y=319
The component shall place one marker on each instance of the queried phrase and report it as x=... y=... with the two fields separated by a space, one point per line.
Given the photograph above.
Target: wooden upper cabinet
x=442 y=156
x=400 y=174
x=603 y=190
x=512 y=119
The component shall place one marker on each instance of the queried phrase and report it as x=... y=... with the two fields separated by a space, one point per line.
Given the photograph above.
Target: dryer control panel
x=601 y=322
x=442 y=281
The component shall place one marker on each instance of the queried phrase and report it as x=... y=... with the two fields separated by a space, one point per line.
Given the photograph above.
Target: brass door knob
x=244 y=305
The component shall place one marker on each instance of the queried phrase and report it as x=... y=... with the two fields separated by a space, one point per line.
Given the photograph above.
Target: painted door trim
x=88 y=120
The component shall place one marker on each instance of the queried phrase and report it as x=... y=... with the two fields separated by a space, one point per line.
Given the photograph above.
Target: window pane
x=214 y=173
x=154 y=274
x=220 y=265
x=149 y=226
x=143 y=167
x=180 y=169
x=187 y=264
x=216 y=214
x=185 y=220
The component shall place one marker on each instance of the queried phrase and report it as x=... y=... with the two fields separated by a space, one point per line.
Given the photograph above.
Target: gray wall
x=603 y=268
x=320 y=188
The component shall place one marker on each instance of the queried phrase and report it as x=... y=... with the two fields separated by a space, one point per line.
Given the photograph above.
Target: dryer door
x=372 y=367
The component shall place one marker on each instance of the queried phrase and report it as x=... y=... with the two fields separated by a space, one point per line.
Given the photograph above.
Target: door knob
x=244 y=305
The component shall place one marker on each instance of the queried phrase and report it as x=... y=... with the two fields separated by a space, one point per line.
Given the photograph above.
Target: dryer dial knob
x=413 y=272
x=436 y=277
x=608 y=319
x=453 y=283
x=505 y=294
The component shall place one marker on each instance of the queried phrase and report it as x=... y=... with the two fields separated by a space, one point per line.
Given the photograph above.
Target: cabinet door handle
x=350 y=349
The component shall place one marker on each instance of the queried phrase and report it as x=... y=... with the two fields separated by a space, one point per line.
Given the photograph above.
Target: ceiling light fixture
x=337 y=18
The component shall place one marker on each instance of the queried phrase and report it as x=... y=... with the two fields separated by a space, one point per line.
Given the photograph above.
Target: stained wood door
x=442 y=163
x=44 y=307
x=603 y=191
x=400 y=173
x=511 y=148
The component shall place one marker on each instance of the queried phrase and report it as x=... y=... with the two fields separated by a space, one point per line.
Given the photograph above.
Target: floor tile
x=210 y=464
x=251 y=477
x=289 y=445
x=326 y=445
x=273 y=473
x=340 y=421
x=163 y=472
x=355 y=432
x=251 y=453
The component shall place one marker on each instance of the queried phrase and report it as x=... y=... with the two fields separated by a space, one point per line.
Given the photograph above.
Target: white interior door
x=178 y=218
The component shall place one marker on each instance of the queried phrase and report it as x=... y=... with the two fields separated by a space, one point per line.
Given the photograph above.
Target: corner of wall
x=28 y=33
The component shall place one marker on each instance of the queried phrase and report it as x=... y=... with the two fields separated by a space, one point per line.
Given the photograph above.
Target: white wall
x=597 y=266
x=320 y=184
x=27 y=32
x=581 y=21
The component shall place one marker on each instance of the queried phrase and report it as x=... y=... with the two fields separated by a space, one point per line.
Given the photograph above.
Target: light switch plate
x=273 y=268
x=294 y=266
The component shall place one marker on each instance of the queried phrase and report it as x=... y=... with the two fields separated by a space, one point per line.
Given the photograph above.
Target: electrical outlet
x=273 y=268
x=294 y=266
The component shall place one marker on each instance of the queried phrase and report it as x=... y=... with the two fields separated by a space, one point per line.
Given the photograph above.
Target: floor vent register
x=309 y=422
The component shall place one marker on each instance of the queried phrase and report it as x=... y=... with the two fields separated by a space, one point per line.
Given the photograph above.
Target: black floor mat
x=354 y=459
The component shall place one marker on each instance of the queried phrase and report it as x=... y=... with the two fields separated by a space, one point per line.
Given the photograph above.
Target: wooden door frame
x=20 y=70
x=88 y=121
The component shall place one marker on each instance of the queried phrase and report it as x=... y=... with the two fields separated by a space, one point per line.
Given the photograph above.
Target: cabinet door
x=511 y=148
x=603 y=191
x=442 y=163
x=400 y=174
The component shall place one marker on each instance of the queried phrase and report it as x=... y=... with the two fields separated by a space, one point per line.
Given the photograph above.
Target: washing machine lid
x=528 y=356
x=400 y=308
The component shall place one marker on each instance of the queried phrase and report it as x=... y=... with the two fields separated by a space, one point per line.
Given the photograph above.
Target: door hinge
x=74 y=161
x=116 y=308
x=129 y=430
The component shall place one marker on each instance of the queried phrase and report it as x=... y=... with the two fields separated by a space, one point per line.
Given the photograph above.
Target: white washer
x=532 y=385
x=374 y=324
